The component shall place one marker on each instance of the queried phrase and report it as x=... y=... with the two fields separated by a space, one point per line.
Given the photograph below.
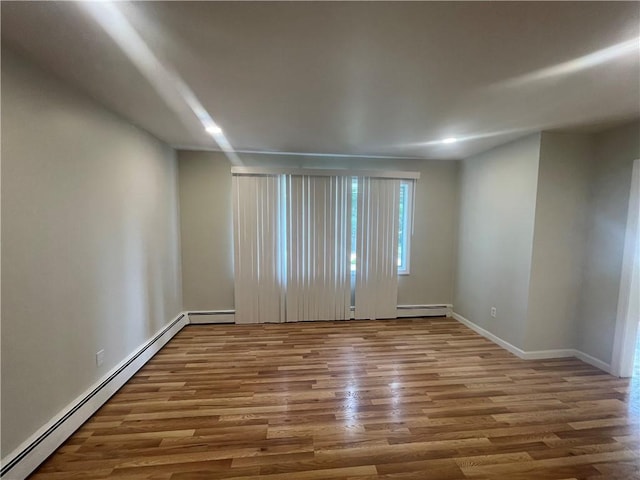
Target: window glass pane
x=354 y=220
x=404 y=226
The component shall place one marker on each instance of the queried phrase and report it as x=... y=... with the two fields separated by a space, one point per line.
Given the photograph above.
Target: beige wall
x=615 y=151
x=90 y=249
x=564 y=175
x=495 y=237
x=206 y=230
x=207 y=236
x=541 y=237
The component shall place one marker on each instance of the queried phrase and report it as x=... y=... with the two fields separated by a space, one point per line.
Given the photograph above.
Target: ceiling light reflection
x=168 y=84
x=579 y=64
x=466 y=138
x=213 y=129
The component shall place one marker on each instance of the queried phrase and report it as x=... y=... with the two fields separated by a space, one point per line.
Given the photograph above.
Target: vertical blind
x=259 y=283
x=318 y=248
x=292 y=245
x=377 y=248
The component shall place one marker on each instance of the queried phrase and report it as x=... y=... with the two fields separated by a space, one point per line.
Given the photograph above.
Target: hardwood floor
x=397 y=399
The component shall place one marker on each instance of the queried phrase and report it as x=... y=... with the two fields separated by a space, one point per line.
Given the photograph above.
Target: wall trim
x=325 y=172
x=586 y=358
x=533 y=354
x=203 y=317
x=487 y=334
x=553 y=353
x=202 y=148
x=32 y=452
x=626 y=329
x=441 y=310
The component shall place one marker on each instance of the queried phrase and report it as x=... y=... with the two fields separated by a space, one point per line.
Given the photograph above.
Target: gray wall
x=207 y=236
x=495 y=237
x=559 y=243
x=90 y=244
x=615 y=151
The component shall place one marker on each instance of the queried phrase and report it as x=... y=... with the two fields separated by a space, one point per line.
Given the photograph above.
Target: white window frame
x=407 y=228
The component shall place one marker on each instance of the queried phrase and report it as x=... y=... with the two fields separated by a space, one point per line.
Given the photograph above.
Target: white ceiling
x=361 y=78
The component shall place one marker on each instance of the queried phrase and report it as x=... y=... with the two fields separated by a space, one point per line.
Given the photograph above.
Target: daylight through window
x=404 y=225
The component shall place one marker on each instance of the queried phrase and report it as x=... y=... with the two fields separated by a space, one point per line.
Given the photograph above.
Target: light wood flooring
x=395 y=399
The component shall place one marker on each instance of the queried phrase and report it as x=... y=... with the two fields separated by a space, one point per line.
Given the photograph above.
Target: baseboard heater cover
x=443 y=310
x=402 y=311
x=211 y=317
x=36 y=450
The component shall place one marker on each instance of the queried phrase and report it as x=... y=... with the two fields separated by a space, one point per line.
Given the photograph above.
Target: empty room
x=320 y=240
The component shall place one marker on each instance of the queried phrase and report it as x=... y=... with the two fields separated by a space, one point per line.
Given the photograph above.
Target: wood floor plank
x=363 y=400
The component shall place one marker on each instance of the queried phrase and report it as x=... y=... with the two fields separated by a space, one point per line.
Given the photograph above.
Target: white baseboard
x=535 y=354
x=31 y=453
x=442 y=310
x=200 y=317
x=487 y=334
x=586 y=358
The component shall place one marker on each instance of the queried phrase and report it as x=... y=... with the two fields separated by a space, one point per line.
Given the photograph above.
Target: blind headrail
x=325 y=172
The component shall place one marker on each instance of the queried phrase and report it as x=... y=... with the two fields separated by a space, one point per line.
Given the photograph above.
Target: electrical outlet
x=493 y=312
x=99 y=358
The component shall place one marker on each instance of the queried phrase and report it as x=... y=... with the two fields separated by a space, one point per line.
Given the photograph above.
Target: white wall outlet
x=493 y=312
x=99 y=358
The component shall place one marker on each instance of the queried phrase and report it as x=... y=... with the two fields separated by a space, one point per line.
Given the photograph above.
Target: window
x=291 y=234
x=354 y=222
x=404 y=224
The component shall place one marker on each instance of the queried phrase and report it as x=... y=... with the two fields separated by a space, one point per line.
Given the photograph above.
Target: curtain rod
x=325 y=172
